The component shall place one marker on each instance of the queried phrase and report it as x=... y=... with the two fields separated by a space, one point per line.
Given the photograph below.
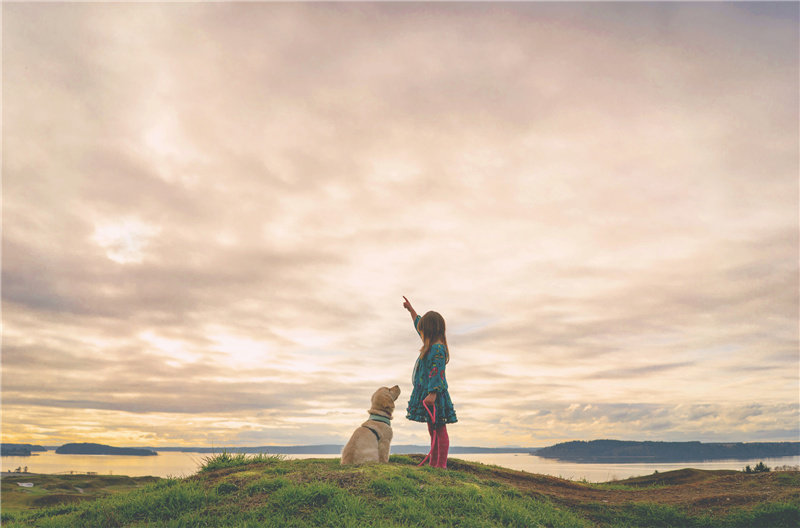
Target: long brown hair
x=432 y=328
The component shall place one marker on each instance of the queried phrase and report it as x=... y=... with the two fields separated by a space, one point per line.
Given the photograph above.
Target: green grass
x=225 y=459
x=788 y=478
x=62 y=490
x=244 y=491
x=264 y=491
x=648 y=515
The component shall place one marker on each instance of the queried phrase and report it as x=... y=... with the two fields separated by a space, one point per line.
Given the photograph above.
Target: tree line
x=595 y=450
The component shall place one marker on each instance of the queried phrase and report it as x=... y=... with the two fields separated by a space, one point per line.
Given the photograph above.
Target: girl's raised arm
x=407 y=306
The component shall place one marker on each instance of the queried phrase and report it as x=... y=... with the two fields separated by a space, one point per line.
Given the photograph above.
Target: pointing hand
x=407 y=305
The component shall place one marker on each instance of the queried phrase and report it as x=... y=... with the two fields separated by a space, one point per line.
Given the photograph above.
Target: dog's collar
x=379 y=418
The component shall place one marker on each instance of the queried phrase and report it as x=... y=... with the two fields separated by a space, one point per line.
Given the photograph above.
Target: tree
x=761 y=468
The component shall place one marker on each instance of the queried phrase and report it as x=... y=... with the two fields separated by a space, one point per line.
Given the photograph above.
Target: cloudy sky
x=211 y=213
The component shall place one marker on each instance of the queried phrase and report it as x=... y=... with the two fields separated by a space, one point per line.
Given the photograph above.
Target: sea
x=175 y=464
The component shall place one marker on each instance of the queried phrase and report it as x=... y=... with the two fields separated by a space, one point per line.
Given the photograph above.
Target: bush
x=760 y=468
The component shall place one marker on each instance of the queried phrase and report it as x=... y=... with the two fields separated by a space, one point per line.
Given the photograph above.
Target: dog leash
x=433 y=436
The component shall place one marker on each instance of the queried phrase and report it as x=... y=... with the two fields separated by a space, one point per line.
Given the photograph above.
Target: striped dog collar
x=379 y=418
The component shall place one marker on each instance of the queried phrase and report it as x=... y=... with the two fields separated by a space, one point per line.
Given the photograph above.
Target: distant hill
x=19 y=449
x=624 y=451
x=99 y=449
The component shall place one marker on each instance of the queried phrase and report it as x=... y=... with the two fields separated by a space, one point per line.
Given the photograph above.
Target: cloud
x=638 y=372
x=211 y=213
x=654 y=421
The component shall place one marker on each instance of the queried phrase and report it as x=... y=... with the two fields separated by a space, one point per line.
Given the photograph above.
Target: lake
x=174 y=464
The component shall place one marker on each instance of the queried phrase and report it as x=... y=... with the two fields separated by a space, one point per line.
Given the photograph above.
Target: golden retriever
x=371 y=442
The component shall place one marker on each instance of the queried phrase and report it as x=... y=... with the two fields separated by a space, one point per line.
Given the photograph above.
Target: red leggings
x=441 y=445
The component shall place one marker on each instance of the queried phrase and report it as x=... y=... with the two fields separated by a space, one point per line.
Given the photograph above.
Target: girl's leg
x=442 y=446
x=434 y=460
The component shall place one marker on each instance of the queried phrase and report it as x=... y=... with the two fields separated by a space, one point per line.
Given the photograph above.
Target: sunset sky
x=211 y=212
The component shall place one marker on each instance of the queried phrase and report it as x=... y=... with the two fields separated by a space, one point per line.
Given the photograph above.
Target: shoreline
x=188 y=464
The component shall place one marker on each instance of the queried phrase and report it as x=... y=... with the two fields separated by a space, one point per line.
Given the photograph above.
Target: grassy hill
x=269 y=491
x=62 y=490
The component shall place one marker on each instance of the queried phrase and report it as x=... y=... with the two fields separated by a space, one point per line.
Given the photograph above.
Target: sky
x=211 y=213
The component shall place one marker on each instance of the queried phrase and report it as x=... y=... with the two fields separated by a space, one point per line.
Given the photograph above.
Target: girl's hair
x=431 y=326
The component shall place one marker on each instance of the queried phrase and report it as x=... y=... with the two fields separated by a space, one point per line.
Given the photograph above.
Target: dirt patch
x=345 y=480
x=680 y=476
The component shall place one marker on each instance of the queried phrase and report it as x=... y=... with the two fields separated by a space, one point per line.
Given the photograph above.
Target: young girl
x=430 y=384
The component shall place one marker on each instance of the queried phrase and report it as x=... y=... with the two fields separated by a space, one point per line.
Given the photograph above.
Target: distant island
x=623 y=451
x=99 y=449
x=20 y=449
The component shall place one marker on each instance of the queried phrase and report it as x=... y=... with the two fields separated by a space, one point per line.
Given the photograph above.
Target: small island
x=100 y=449
x=20 y=449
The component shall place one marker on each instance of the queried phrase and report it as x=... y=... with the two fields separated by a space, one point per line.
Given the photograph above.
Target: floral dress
x=429 y=377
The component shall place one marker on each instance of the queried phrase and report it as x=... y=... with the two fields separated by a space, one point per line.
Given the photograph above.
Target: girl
x=430 y=385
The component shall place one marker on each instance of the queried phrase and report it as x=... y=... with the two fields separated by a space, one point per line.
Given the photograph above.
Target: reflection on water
x=171 y=464
x=609 y=471
x=168 y=464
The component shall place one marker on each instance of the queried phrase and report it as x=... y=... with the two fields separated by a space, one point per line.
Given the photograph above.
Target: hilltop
x=269 y=491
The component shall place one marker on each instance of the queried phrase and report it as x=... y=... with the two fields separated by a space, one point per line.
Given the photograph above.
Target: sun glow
x=125 y=240
x=175 y=350
x=241 y=351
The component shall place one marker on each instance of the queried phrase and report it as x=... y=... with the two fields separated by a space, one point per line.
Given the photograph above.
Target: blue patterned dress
x=429 y=377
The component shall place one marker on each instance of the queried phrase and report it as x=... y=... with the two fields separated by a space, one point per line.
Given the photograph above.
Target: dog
x=371 y=442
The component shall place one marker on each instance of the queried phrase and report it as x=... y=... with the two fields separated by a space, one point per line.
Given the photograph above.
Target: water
x=604 y=472
x=167 y=464
x=171 y=464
